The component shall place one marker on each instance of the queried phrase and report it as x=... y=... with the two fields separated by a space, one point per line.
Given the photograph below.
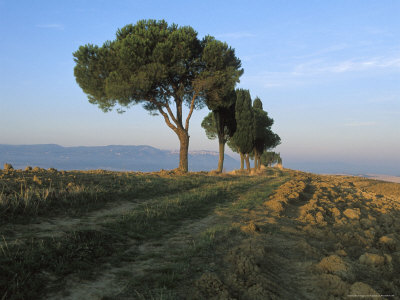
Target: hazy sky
x=328 y=72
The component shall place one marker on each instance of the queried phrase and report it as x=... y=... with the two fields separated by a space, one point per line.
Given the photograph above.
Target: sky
x=327 y=72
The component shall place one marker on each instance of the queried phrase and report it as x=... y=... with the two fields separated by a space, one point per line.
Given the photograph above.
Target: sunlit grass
x=27 y=194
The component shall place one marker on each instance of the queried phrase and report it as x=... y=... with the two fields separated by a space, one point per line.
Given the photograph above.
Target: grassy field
x=273 y=235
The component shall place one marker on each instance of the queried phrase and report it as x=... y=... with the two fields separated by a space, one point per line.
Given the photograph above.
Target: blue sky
x=328 y=72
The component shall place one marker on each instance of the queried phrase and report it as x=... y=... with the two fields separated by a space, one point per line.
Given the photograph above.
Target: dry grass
x=279 y=234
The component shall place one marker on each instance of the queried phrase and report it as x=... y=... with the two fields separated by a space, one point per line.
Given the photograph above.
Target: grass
x=165 y=280
x=165 y=204
x=28 y=194
x=151 y=220
x=23 y=267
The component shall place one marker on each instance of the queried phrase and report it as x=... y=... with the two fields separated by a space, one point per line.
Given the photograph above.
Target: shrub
x=8 y=167
x=37 y=180
x=28 y=168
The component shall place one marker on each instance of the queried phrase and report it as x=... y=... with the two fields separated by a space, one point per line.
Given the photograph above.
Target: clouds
x=321 y=70
x=235 y=35
x=361 y=65
x=360 y=124
x=320 y=66
x=51 y=26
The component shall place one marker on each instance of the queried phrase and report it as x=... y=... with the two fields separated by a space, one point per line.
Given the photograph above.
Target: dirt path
x=59 y=226
x=55 y=227
x=151 y=257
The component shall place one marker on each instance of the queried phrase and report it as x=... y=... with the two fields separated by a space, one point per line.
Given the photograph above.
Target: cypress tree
x=243 y=138
x=264 y=138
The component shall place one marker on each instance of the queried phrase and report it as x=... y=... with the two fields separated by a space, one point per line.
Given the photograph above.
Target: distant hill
x=118 y=158
x=389 y=178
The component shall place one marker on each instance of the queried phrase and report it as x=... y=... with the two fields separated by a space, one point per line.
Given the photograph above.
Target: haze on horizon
x=328 y=73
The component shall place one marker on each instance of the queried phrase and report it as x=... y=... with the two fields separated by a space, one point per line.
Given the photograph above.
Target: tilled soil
x=317 y=237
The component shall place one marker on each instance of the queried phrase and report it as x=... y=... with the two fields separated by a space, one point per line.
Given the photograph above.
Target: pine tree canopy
x=148 y=63
x=158 y=65
x=221 y=74
x=209 y=126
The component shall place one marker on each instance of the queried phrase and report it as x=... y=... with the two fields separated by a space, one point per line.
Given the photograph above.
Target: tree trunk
x=221 y=136
x=221 y=156
x=183 y=152
x=257 y=161
x=247 y=161
x=241 y=161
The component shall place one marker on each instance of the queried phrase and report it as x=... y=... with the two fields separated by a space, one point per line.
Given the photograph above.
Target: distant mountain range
x=117 y=158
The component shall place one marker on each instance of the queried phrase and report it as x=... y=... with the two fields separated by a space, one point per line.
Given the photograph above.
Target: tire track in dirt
x=59 y=226
x=56 y=227
x=150 y=256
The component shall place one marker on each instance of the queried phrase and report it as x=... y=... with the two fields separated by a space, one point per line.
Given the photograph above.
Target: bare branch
x=164 y=114
x=190 y=111
x=166 y=105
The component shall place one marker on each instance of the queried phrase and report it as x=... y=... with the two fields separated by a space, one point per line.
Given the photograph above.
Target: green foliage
x=269 y=158
x=224 y=117
x=157 y=65
x=221 y=73
x=264 y=137
x=220 y=123
x=257 y=104
x=147 y=63
x=261 y=123
x=253 y=129
x=209 y=126
x=244 y=136
x=272 y=140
